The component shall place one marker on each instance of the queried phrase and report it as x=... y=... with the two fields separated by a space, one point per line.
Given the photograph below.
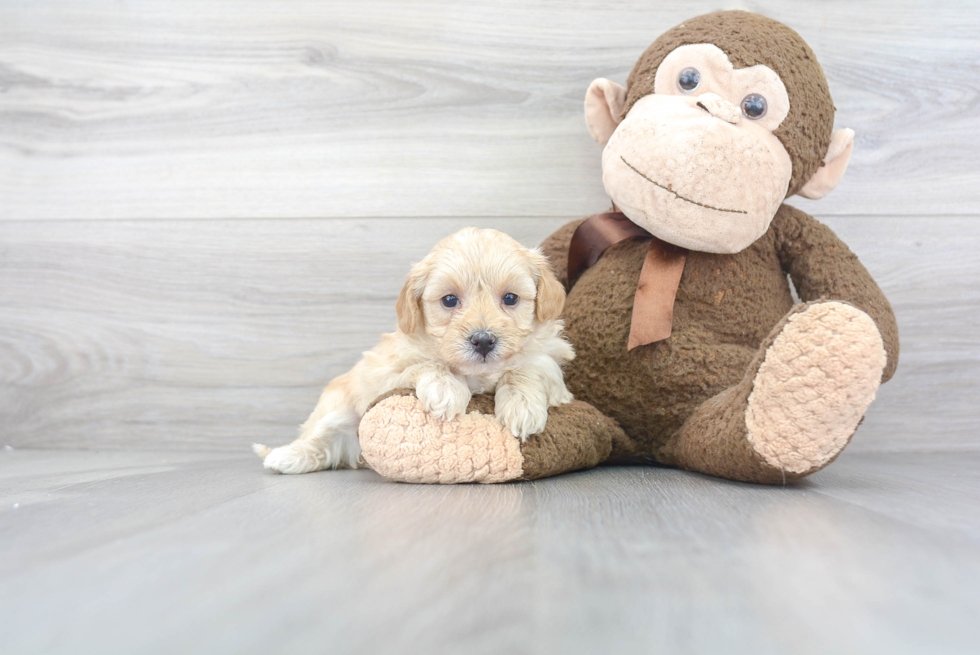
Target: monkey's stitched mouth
x=669 y=190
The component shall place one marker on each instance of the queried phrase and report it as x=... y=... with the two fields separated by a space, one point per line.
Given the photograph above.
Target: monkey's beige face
x=696 y=162
x=480 y=295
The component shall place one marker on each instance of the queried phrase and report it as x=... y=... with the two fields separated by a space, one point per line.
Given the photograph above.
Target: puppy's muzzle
x=483 y=342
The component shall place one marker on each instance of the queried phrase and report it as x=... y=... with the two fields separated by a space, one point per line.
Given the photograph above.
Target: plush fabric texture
x=402 y=442
x=720 y=108
x=653 y=305
x=577 y=436
x=822 y=267
x=690 y=178
x=727 y=307
x=714 y=439
x=819 y=376
x=720 y=78
x=603 y=103
x=807 y=128
x=835 y=164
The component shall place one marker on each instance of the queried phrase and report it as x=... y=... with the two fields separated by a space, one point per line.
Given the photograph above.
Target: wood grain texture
x=243 y=108
x=172 y=553
x=214 y=334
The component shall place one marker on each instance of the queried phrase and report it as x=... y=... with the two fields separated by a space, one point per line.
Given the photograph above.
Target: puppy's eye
x=510 y=298
x=450 y=301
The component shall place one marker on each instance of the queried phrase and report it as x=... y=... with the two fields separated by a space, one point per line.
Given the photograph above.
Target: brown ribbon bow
x=653 y=304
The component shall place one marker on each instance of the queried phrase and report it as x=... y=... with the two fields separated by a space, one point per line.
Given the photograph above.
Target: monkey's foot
x=811 y=391
x=798 y=405
x=403 y=442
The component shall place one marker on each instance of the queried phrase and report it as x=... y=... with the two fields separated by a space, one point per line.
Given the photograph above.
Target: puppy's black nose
x=483 y=342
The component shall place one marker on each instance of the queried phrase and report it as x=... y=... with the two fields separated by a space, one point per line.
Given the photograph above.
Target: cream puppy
x=478 y=315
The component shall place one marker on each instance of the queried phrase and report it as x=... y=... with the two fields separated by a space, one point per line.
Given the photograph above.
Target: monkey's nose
x=483 y=342
x=718 y=107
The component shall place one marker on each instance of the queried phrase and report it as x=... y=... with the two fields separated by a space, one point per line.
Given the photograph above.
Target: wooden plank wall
x=207 y=207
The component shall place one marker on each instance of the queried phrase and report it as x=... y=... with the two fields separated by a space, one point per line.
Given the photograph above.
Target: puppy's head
x=479 y=294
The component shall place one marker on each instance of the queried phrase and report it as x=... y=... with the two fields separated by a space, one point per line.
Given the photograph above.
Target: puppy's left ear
x=551 y=294
x=409 y=305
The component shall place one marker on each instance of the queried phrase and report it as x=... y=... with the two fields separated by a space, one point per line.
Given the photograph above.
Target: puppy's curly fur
x=479 y=314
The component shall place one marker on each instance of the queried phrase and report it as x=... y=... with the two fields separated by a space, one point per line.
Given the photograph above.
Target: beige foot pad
x=811 y=391
x=403 y=442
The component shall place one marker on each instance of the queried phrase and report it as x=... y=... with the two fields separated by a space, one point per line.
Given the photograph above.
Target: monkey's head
x=722 y=118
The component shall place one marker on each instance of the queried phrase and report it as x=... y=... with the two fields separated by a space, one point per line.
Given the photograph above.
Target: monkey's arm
x=823 y=268
x=555 y=248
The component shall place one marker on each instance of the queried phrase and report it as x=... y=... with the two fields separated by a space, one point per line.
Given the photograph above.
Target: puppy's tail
x=261 y=450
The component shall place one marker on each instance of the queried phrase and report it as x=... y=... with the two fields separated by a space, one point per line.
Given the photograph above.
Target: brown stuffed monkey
x=690 y=349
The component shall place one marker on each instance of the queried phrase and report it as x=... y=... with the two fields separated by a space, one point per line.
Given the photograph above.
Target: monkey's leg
x=798 y=405
x=402 y=442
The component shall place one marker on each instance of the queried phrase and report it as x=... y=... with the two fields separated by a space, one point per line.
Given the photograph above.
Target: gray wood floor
x=125 y=552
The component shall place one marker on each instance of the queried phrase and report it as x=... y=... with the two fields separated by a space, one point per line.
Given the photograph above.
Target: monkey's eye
x=754 y=106
x=450 y=301
x=510 y=298
x=688 y=80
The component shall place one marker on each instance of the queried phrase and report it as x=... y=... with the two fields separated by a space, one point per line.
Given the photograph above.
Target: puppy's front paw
x=444 y=395
x=291 y=459
x=520 y=413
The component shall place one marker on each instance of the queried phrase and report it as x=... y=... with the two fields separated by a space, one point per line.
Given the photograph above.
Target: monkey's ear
x=834 y=165
x=604 y=102
x=409 y=304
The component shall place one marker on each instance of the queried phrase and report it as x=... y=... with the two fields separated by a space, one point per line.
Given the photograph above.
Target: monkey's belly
x=653 y=389
x=726 y=305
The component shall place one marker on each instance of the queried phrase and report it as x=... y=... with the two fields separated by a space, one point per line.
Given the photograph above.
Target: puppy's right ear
x=409 y=305
x=550 y=294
